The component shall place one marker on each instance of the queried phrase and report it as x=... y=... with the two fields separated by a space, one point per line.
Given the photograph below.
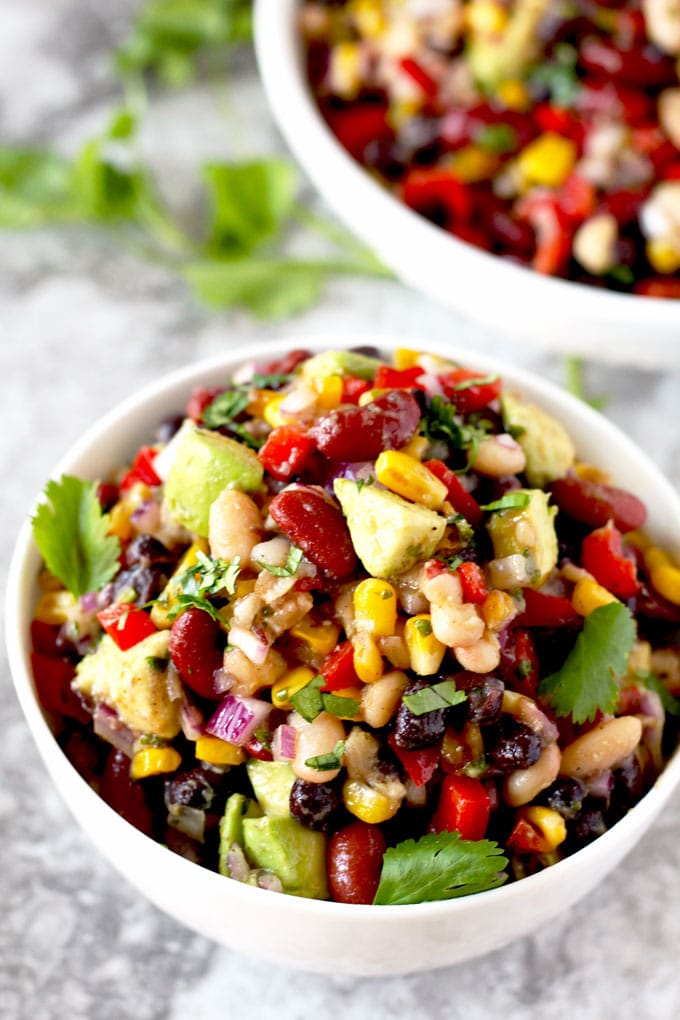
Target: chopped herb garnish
x=386 y=594
x=560 y=80
x=424 y=627
x=310 y=701
x=509 y=501
x=342 y=707
x=482 y=380
x=293 y=561
x=440 y=423
x=430 y=699
x=209 y=576
x=271 y=381
x=653 y=683
x=452 y=562
x=185 y=602
x=363 y=482
x=465 y=530
x=499 y=138
x=156 y=662
x=225 y=407
x=326 y=762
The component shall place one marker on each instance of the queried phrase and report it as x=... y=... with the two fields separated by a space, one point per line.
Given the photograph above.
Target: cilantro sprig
x=439 y=866
x=71 y=532
x=206 y=577
x=430 y=699
x=331 y=760
x=290 y=567
x=508 y=501
x=311 y=701
x=441 y=422
x=587 y=680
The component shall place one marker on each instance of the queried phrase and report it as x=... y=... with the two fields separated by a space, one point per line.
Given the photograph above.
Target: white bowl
x=554 y=314
x=324 y=936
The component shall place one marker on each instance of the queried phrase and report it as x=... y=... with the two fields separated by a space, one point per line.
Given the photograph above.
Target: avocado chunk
x=272 y=782
x=546 y=443
x=493 y=60
x=297 y=856
x=341 y=363
x=389 y=534
x=237 y=808
x=205 y=464
x=133 y=682
x=527 y=531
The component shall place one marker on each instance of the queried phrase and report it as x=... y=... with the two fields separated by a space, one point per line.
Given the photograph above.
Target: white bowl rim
x=182 y=380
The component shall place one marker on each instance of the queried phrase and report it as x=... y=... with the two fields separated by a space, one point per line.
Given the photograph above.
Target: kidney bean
x=125 y=796
x=595 y=503
x=638 y=66
x=194 y=650
x=313 y=522
x=354 y=861
x=314 y=804
x=361 y=433
x=286 y=364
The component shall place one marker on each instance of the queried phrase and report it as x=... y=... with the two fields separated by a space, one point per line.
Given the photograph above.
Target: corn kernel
x=368 y=17
x=329 y=391
x=273 y=414
x=548 y=160
x=404 y=357
x=375 y=607
x=48 y=582
x=416 y=447
x=152 y=761
x=119 y=521
x=370 y=395
x=498 y=609
x=549 y=823
x=663 y=255
x=655 y=558
x=367 y=660
x=666 y=580
x=368 y=804
x=160 y=610
x=55 y=607
x=345 y=70
x=218 y=752
x=472 y=163
x=484 y=17
x=589 y=595
x=289 y=684
x=425 y=650
x=590 y=473
x=638 y=540
x=260 y=400
x=410 y=479
x=320 y=638
x=514 y=95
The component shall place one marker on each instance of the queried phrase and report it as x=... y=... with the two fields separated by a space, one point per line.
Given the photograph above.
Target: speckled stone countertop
x=82 y=324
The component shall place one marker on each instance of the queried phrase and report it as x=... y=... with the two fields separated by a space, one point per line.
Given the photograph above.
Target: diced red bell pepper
x=142 y=469
x=428 y=188
x=525 y=839
x=286 y=451
x=464 y=807
x=520 y=667
x=52 y=677
x=671 y=172
x=286 y=364
x=387 y=378
x=553 y=235
x=658 y=287
x=357 y=126
x=338 y=668
x=458 y=496
x=467 y=398
x=577 y=198
x=256 y=749
x=199 y=400
x=352 y=388
x=44 y=638
x=472 y=582
x=420 y=765
x=427 y=85
x=559 y=120
x=542 y=610
x=603 y=556
x=107 y=494
x=126 y=624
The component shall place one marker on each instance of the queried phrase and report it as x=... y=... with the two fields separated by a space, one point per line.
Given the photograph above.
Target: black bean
x=167 y=428
x=484 y=697
x=193 y=788
x=314 y=804
x=412 y=732
x=147 y=551
x=565 y=796
x=628 y=788
x=586 y=827
x=145 y=582
x=367 y=350
x=517 y=746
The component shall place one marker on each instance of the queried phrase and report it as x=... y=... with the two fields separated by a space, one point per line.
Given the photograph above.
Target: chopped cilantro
x=293 y=561
x=73 y=537
x=560 y=80
x=430 y=699
x=653 y=683
x=342 y=707
x=210 y=577
x=587 y=680
x=156 y=662
x=499 y=138
x=439 y=866
x=509 y=501
x=185 y=602
x=331 y=760
x=271 y=380
x=363 y=482
x=310 y=701
x=424 y=627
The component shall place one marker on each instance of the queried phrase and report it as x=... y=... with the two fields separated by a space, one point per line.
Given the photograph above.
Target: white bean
x=234 y=526
x=245 y=677
x=456 y=625
x=379 y=701
x=522 y=785
x=669 y=114
x=594 y=244
x=481 y=657
x=662 y=21
x=317 y=737
x=443 y=588
x=498 y=456
x=602 y=747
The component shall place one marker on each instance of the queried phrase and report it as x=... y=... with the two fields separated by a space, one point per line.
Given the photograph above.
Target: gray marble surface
x=82 y=324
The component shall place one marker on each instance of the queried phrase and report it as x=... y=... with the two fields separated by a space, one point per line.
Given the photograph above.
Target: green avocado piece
x=295 y=854
x=546 y=443
x=496 y=59
x=272 y=782
x=205 y=464
x=529 y=531
x=341 y=363
x=237 y=808
x=390 y=535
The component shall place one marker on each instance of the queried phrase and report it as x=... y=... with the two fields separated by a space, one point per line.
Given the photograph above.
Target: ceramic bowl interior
x=554 y=314
x=324 y=936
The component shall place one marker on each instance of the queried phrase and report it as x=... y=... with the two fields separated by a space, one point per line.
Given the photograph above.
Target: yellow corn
x=589 y=595
x=328 y=391
x=375 y=607
x=345 y=70
x=244 y=586
x=409 y=478
x=655 y=558
x=368 y=17
x=370 y=395
x=55 y=607
x=168 y=597
x=472 y=163
x=119 y=517
x=425 y=650
x=404 y=357
x=367 y=660
x=320 y=638
x=666 y=580
x=484 y=17
x=663 y=255
x=260 y=400
x=417 y=447
x=366 y=803
x=548 y=160
x=152 y=761
x=549 y=823
x=273 y=414
x=497 y=609
x=289 y=684
x=219 y=752
x=590 y=473
x=514 y=95
x=48 y=582
x=638 y=540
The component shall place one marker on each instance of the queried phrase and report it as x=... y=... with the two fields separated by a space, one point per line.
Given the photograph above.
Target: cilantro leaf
x=71 y=533
x=345 y=708
x=429 y=699
x=652 y=682
x=225 y=407
x=293 y=561
x=508 y=501
x=271 y=380
x=269 y=287
x=185 y=602
x=308 y=702
x=440 y=422
x=210 y=577
x=439 y=866
x=331 y=760
x=35 y=188
x=251 y=202
x=587 y=680
x=500 y=138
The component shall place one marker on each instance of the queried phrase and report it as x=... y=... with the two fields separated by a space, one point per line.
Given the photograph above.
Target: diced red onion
x=191 y=720
x=147 y=516
x=108 y=726
x=189 y=820
x=253 y=647
x=237 y=718
x=222 y=682
x=89 y=602
x=237 y=865
x=601 y=785
x=266 y=880
x=431 y=384
x=283 y=743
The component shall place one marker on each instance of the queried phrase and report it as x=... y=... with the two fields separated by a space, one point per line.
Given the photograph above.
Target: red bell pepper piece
x=658 y=287
x=420 y=765
x=541 y=610
x=387 y=378
x=525 y=839
x=352 y=388
x=356 y=126
x=142 y=469
x=52 y=677
x=458 y=496
x=462 y=390
x=286 y=451
x=472 y=582
x=126 y=624
x=427 y=85
x=519 y=663
x=577 y=198
x=426 y=188
x=553 y=237
x=464 y=807
x=256 y=749
x=603 y=556
x=338 y=668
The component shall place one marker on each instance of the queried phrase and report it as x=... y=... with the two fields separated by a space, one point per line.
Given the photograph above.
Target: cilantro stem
x=367 y=261
x=575 y=383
